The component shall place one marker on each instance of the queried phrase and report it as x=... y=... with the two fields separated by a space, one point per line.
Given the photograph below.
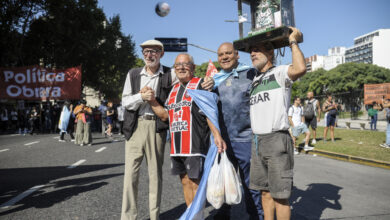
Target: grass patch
x=360 y=143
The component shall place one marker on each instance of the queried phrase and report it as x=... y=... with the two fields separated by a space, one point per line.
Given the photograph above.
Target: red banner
x=211 y=69
x=38 y=83
x=375 y=92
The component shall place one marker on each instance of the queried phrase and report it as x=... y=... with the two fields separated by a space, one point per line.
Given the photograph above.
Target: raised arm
x=298 y=66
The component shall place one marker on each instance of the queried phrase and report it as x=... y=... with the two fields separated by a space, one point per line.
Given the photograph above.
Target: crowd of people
x=44 y=118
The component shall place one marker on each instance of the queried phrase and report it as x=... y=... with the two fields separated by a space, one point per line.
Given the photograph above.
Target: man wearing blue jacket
x=232 y=84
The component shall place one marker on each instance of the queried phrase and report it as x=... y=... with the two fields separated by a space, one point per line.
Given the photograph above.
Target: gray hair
x=189 y=56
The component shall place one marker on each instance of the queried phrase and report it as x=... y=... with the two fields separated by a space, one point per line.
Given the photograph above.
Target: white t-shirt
x=296 y=114
x=270 y=99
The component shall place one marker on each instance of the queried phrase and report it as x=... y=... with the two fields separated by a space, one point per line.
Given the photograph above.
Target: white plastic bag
x=215 y=185
x=233 y=192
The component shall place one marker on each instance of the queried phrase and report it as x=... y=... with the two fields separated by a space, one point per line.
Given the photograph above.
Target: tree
x=68 y=33
x=346 y=81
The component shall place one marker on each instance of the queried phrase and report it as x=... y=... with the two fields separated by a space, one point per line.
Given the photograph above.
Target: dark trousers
x=374 y=119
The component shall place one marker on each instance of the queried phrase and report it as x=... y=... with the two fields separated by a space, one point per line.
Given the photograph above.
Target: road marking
x=35 y=142
x=3 y=150
x=100 y=150
x=76 y=164
x=13 y=135
x=20 y=197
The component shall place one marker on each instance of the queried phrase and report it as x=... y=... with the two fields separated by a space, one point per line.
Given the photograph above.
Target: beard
x=261 y=62
x=152 y=63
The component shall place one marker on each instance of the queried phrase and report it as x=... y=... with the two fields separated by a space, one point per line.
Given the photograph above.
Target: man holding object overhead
x=272 y=149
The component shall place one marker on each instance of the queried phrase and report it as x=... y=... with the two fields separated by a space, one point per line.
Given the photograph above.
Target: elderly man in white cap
x=144 y=132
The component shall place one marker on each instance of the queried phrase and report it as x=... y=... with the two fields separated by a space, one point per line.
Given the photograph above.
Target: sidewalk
x=355 y=124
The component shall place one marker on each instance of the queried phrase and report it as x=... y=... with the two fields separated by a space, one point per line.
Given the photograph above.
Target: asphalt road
x=41 y=178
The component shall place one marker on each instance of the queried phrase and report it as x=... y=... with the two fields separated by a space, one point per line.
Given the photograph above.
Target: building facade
x=372 y=48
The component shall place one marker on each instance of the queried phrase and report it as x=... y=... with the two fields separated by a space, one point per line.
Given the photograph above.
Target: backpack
x=308 y=111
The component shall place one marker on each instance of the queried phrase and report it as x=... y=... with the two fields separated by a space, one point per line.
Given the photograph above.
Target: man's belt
x=147 y=117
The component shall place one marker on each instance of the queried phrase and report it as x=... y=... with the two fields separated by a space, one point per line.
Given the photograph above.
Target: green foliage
x=67 y=33
x=343 y=79
x=200 y=70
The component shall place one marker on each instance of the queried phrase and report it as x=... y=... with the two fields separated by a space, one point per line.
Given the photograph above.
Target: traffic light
x=173 y=44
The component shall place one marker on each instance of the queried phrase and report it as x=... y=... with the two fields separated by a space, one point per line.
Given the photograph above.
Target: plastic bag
x=232 y=181
x=215 y=185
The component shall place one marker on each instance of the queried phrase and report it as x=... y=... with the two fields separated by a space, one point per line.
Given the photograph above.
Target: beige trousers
x=144 y=142
x=83 y=133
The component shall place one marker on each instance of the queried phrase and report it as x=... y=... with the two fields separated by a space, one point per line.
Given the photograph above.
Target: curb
x=353 y=159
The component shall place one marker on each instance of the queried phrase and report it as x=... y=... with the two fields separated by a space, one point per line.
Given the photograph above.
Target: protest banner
x=38 y=83
x=375 y=93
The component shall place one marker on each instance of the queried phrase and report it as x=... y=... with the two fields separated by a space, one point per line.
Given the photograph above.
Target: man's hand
x=146 y=88
x=220 y=143
x=318 y=119
x=208 y=83
x=295 y=35
x=148 y=95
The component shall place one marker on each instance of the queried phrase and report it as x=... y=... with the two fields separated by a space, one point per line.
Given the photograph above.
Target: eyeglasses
x=179 y=65
x=152 y=52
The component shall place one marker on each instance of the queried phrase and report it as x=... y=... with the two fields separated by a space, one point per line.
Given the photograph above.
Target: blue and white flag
x=64 y=119
x=207 y=102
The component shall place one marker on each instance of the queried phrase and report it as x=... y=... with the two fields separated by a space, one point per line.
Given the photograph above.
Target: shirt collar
x=160 y=70
x=240 y=67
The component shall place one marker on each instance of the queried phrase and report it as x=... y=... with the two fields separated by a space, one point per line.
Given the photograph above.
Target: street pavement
x=41 y=178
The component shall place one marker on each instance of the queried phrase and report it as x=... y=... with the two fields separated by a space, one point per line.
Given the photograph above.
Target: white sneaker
x=72 y=140
x=308 y=148
x=385 y=145
x=296 y=151
x=81 y=145
x=61 y=140
x=313 y=141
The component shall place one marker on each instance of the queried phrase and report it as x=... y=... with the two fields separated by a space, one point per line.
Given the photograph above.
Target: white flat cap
x=152 y=43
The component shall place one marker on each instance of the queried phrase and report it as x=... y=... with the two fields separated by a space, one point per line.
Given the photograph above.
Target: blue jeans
x=242 y=157
x=374 y=119
x=388 y=134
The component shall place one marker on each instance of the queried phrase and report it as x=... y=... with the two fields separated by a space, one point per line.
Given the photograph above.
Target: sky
x=324 y=24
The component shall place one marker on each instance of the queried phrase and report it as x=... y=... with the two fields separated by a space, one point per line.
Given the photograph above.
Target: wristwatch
x=293 y=42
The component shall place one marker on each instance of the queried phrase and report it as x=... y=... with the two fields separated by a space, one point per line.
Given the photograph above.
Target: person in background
x=103 y=115
x=110 y=118
x=297 y=122
x=14 y=119
x=121 y=111
x=373 y=113
x=83 y=131
x=48 y=117
x=330 y=107
x=33 y=120
x=4 y=119
x=22 y=122
x=312 y=109
x=386 y=107
x=70 y=127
